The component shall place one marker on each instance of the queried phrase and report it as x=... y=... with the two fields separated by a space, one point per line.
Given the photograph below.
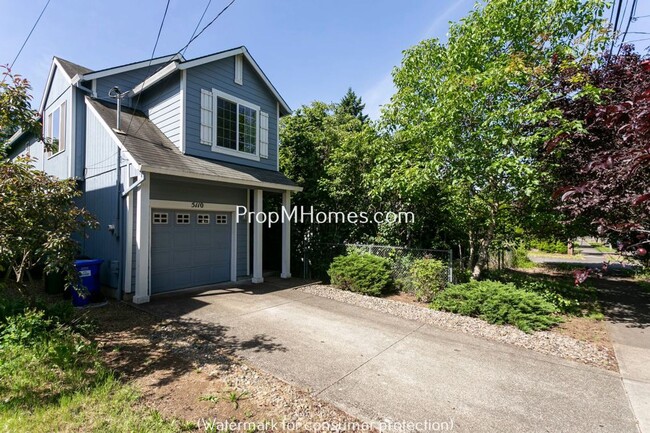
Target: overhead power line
x=198 y=23
x=30 y=34
x=153 y=53
x=192 y=39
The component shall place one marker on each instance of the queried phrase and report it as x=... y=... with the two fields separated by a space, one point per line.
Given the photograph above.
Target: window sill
x=236 y=153
x=54 y=155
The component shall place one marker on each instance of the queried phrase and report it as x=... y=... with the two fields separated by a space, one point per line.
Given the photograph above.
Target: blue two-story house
x=165 y=151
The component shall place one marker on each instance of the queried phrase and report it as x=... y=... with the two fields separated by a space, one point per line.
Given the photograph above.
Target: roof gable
x=233 y=52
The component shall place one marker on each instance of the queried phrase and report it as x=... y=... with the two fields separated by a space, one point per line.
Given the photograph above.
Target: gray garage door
x=189 y=249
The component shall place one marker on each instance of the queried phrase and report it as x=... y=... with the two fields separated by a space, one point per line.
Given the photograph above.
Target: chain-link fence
x=318 y=258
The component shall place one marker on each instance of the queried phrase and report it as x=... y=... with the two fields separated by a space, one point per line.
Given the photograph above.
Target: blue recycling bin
x=89 y=278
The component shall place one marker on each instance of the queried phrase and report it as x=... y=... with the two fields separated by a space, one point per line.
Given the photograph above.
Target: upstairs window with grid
x=232 y=125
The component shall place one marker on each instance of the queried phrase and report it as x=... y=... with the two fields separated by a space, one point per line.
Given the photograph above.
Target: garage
x=189 y=248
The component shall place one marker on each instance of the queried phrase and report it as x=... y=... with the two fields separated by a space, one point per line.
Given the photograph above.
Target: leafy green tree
x=470 y=116
x=38 y=214
x=15 y=107
x=353 y=105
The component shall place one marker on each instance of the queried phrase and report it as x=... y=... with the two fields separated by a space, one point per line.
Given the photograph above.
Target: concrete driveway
x=379 y=367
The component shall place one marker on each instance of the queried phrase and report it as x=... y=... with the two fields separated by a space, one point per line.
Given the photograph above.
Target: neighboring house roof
x=153 y=152
x=72 y=69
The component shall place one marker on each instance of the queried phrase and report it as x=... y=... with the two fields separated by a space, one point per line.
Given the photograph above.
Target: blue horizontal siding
x=162 y=103
x=220 y=75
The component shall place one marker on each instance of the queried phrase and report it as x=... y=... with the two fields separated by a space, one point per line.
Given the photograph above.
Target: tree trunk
x=482 y=253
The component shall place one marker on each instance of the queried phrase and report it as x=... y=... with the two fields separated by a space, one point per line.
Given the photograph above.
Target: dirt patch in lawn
x=187 y=370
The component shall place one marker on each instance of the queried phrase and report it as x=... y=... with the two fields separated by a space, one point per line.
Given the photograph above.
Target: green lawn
x=52 y=378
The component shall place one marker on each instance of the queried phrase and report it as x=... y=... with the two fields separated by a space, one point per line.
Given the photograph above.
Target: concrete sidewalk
x=379 y=367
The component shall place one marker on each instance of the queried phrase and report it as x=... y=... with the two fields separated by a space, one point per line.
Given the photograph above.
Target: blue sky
x=310 y=49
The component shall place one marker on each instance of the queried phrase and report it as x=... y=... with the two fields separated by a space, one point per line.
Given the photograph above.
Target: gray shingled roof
x=72 y=69
x=156 y=153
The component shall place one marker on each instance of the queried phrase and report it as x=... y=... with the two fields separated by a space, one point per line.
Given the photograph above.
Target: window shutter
x=264 y=135
x=239 y=69
x=206 y=117
x=63 y=126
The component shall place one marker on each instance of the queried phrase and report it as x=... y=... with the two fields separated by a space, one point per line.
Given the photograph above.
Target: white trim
x=248 y=235
x=258 y=273
x=233 y=247
x=239 y=69
x=130 y=67
x=232 y=98
x=63 y=129
x=213 y=178
x=237 y=153
x=93 y=88
x=128 y=259
x=153 y=79
x=241 y=50
x=211 y=58
x=277 y=137
x=188 y=206
x=183 y=109
x=112 y=134
x=56 y=65
x=73 y=133
x=215 y=110
x=143 y=241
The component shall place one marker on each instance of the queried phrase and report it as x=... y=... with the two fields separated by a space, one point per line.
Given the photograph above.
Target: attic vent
x=239 y=69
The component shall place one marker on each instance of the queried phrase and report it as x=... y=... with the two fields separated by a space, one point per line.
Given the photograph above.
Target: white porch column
x=128 y=256
x=286 y=235
x=257 y=238
x=142 y=231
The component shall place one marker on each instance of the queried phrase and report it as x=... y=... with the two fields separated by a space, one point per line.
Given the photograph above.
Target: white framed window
x=55 y=129
x=160 y=218
x=203 y=218
x=234 y=125
x=221 y=219
x=182 y=218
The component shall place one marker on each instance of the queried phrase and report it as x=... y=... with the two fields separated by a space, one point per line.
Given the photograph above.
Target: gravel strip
x=546 y=342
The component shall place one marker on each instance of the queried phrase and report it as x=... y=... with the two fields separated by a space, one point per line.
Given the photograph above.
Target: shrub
x=362 y=273
x=520 y=259
x=426 y=277
x=562 y=293
x=549 y=246
x=498 y=303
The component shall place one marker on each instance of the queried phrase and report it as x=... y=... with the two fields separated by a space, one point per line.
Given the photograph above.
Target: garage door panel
x=187 y=255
